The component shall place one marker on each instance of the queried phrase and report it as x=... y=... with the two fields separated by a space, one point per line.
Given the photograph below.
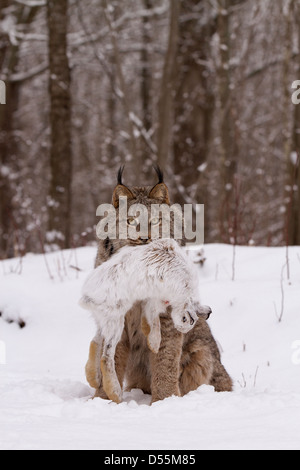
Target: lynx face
x=134 y=223
x=141 y=223
x=148 y=197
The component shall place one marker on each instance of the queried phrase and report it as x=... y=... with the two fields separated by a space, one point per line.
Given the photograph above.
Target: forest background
x=203 y=88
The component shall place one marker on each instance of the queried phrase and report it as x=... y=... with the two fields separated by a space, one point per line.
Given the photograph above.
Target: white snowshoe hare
x=159 y=274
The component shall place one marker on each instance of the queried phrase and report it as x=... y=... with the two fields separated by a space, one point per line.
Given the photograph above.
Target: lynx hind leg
x=221 y=380
x=111 y=385
x=197 y=370
x=93 y=369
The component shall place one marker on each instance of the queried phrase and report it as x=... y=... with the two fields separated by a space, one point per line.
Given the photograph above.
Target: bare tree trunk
x=167 y=91
x=123 y=86
x=112 y=109
x=146 y=76
x=146 y=155
x=228 y=143
x=60 y=122
x=9 y=58
x=293 y=164
x=194 y=104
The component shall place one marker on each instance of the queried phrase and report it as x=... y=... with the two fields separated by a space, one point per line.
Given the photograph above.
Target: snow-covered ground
x=45 y=400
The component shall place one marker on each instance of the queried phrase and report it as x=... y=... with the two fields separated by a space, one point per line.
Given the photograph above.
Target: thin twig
x=279 y=317
x=74 y=252
x=233 y=261
x=255 y=376
x=76 y=268
x=43 y=252
x=244 y=383
x=217 y=272
x=3 y=267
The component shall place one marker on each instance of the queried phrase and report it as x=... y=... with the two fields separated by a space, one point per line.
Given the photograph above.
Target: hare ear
x=161 y=193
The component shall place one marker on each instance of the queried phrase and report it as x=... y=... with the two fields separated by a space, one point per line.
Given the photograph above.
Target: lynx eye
x=155 y=221
x=132 y=222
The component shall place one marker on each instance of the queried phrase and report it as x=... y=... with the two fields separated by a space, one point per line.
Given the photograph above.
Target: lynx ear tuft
x=160 y=190
x=161 y=193
x=121 y=190
x=120 y=175
x=159 y=173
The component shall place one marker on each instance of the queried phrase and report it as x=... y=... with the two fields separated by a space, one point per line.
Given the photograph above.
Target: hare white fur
x=159 y=274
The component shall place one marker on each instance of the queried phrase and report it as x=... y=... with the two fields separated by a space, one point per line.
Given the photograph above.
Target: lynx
x=184 y=361
x=151 y=274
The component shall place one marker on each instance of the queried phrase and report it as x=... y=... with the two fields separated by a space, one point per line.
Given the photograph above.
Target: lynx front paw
x=100 y=393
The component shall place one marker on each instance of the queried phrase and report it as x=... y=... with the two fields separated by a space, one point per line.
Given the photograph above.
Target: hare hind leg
x=111 y=384
x=150 y=324
x=152 y=333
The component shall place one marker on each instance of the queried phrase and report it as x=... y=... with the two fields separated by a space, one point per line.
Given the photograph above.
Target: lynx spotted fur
x=184 y=361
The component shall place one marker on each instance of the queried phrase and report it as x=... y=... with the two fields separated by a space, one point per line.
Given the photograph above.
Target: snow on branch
x=143 y=132
x=32 y=3
x=31 y=36
x=80 y=39
x=22 y=76
x=152 y=12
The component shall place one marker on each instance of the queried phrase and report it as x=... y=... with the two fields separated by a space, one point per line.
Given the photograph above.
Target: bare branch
x=23 y=76
x=165 y=105
x=120 y=74
x=118 y=24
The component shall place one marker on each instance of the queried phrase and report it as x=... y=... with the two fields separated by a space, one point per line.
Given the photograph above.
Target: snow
x=45 y=400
